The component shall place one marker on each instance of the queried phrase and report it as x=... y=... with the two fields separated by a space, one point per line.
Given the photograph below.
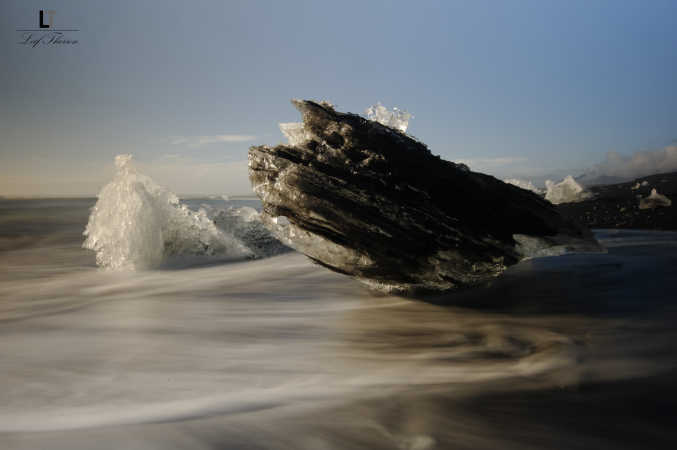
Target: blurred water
x=567 y=352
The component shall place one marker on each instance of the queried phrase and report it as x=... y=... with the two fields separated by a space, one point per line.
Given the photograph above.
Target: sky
x=514 y=88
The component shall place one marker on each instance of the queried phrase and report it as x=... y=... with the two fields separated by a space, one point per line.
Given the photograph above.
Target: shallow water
x=566 y=352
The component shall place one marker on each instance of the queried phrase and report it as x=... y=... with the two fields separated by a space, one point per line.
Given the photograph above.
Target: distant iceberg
x=566 y=191
x=654 y=200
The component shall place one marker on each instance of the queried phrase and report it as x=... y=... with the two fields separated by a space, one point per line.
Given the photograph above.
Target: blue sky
x=511 y=87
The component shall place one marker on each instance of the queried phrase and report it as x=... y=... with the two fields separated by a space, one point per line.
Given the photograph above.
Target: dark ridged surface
x=421 y=221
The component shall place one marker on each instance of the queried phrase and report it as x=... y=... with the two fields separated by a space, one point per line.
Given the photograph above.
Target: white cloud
x=614 y=168
x=197 y=141
x=639 y=164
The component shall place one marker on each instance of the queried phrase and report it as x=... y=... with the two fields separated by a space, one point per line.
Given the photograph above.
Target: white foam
x=642 y=163
x=245 y=224
x=137 y=224
x=537 y=247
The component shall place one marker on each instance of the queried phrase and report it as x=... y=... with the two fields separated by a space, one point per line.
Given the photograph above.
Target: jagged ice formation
x=367 y=200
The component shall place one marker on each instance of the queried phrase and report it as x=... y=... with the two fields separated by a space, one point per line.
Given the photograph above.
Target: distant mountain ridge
x=600 y=180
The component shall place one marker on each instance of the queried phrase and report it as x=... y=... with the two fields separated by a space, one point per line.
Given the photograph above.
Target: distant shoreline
x=616 y=206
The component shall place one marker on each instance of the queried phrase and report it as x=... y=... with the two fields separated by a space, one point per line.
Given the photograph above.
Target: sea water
x=575 y=351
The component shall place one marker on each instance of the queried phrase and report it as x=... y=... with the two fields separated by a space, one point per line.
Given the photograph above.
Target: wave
x=245 y=224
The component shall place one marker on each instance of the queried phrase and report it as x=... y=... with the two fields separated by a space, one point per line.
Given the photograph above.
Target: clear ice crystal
x=397 y=118
x=138 y=224
x=566 y=191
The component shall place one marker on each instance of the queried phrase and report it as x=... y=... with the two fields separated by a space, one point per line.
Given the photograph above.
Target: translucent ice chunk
x=566 y=191
x=137 y=224
x=397 y=118
x=294 y=132
x=654 y=200
x=245 y=224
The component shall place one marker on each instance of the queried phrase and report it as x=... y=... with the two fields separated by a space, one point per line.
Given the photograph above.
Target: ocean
x=275 y=352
